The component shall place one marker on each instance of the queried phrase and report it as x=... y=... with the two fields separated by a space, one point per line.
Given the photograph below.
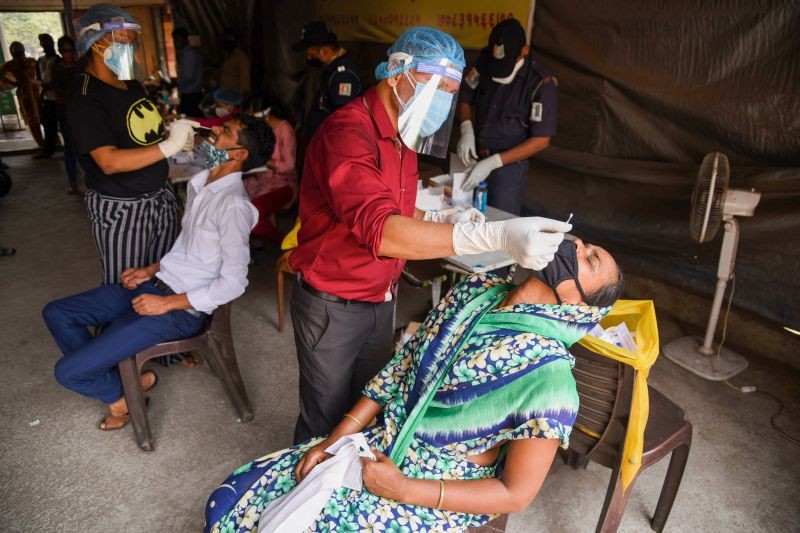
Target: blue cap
x=98 y=14
x=228 y=96
x=422 y=44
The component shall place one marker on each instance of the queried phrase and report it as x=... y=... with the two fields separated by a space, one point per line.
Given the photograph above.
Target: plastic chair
x=605 y=388
x=215 y=344
x=282 y=268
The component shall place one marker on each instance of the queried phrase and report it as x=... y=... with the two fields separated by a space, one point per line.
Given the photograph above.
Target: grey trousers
x=340 y=347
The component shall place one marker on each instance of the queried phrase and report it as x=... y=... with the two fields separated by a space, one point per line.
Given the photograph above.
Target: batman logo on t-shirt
x=145 y=125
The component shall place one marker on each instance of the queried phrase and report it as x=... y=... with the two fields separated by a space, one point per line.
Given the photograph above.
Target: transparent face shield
x=122 y=38
x=426 y=118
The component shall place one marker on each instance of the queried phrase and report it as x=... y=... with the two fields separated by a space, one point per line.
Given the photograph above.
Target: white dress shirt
x=209 y=259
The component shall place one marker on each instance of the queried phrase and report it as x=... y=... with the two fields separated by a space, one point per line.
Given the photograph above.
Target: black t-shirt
x=99 y=114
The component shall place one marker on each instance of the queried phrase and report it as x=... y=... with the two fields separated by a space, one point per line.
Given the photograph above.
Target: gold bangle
x=441 y=494
x=354 y=419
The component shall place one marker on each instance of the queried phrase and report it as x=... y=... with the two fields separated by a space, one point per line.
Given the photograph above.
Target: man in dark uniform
x=339 y=83
x=513 y=99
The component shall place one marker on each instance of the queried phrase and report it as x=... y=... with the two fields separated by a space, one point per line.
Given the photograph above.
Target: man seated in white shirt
x=206 y=268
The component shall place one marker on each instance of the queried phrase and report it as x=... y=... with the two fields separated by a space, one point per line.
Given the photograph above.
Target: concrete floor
x=64 y=475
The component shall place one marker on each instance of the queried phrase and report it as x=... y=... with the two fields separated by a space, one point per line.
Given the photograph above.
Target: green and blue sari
x=473 y=376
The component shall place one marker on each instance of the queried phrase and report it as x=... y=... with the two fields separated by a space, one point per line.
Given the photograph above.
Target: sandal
x=189 y=360
x=114 y=422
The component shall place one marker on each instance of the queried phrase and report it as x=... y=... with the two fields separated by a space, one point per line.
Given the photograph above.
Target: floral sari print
x=471 y=378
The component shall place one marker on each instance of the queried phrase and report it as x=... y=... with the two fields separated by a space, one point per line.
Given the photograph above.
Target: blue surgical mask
x=437 y=113
x=214 y=156
x=119 y=58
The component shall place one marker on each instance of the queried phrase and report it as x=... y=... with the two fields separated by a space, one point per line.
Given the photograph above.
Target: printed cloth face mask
x=215 y=156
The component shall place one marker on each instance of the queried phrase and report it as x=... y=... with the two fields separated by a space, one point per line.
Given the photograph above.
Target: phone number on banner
x=471 y=20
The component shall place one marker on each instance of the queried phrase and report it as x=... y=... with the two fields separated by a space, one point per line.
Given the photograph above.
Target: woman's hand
x=133 y=277
x=315 y=456
x=382 y=477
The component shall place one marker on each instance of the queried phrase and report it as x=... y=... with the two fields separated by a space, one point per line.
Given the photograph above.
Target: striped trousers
x=132 y=232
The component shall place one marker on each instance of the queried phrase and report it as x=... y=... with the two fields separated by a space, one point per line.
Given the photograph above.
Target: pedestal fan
x=713 y=204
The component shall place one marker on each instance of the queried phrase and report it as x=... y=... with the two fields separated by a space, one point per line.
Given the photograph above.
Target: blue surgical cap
x=228 y=96
x=422 y=44
x=98 y=14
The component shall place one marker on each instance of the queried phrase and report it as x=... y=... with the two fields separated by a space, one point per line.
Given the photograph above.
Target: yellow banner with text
x=469 y=21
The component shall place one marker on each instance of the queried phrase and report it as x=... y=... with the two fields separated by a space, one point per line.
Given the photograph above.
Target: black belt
x=326 y=295
x=163 y=287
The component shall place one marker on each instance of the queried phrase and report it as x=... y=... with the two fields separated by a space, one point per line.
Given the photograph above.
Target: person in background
x=45 y=66
x=190 y=73
x=235 y=71
x=64 y=73
x=122 y=146
x=20 y=72
x=274 y=188
x=359 y=224
x=513 y=100
x=339 y=83
x=227 y=104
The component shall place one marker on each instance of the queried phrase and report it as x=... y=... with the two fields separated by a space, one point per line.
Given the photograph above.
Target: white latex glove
x=468 y=215
x=466 y=144
x=181 y=137
x=481 y=170
x=531 y=241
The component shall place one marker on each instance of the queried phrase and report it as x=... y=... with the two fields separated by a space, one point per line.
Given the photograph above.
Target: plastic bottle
x=479 y=196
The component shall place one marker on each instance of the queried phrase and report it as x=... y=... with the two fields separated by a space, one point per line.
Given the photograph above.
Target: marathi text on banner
x=469 y=21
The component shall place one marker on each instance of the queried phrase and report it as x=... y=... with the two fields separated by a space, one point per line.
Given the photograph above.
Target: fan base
x=685 y=352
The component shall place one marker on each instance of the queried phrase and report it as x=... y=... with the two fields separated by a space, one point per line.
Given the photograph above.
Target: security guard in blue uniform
x=339 y=83
x=513 y=99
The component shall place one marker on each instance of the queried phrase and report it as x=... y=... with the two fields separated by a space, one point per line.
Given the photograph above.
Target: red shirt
x=356 y=174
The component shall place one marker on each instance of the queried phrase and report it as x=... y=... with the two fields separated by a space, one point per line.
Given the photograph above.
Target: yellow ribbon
x=640 y=317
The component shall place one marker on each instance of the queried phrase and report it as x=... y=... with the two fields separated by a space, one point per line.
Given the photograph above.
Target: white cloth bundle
x=295 y=511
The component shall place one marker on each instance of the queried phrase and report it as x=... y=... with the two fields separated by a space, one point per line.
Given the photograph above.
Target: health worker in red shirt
x=359 y=224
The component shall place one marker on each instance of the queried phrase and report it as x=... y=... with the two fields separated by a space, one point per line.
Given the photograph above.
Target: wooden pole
x=68 y=24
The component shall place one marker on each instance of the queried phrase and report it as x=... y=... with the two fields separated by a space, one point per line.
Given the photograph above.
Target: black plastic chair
x=215 y=344
x=605 y=388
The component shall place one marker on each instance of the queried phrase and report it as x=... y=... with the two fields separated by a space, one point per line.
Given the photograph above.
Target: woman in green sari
x=465 y=420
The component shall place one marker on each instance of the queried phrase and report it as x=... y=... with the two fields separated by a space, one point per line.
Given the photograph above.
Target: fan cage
x=709 y=196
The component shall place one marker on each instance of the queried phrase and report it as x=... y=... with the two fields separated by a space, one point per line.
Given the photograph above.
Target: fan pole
x=701 y=358
x=727 y=258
